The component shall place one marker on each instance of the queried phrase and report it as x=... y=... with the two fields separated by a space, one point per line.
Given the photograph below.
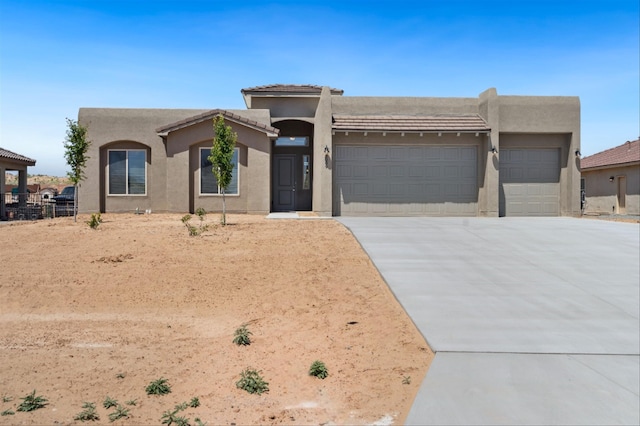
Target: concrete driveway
x=533 y=320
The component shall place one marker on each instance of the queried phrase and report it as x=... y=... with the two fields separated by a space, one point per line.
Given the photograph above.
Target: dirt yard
x=87 y=314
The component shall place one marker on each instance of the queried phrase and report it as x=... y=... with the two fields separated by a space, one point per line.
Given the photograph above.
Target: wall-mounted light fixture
x=578 y=154
x=611 y=178
x=494 y=150
x=326 y=149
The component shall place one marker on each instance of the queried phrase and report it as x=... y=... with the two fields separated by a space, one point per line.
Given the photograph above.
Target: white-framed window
x=127 y=171
x=208 y=182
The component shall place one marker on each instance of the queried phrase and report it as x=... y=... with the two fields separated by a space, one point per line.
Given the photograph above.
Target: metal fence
x=32 y=207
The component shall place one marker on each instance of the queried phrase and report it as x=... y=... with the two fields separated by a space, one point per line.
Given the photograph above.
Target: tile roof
x=290 y=88
x=272 y=131
x=628 y=152
x=5 y=153
x=411 y=123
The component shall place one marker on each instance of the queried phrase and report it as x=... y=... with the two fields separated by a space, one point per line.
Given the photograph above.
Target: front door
x=622 y=195
x=284 y=182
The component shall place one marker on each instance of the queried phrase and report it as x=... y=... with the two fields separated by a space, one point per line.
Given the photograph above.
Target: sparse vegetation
x=7 y=398
x=89 y=413
x=406 y=380
x=109 y=402
x=242 y=336
x=171 y=417
x=119 y=413
x=132 y=402
x=32 y=402
x=194 y=403
x=158 y=387
x=195 y=231
x=8 y=412
x=95 y=221
x=318 y=369
x=252 y=382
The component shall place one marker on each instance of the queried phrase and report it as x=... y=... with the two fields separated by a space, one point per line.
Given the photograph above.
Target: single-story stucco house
x=611 y=180
x=310 y=148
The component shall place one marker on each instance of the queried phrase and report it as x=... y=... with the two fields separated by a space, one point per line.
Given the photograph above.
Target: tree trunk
x=224 y=208
x=75 y=203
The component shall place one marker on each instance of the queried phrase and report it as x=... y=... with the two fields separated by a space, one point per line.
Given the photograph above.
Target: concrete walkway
x=533 y=320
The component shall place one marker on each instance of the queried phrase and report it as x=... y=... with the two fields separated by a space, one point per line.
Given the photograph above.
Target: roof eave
x=610 y=166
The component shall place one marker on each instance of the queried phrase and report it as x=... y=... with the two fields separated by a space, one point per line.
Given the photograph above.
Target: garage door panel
x=529 y=182
x=403 y=180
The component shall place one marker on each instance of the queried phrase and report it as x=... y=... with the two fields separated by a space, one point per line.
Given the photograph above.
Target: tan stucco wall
x=136 y=127
x=170 y=182
x=537 y=121
x=601 y=193
x=183 y=171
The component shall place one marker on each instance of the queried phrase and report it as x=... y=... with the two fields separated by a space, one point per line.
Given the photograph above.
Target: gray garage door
x=405 y=181
x=529 y=182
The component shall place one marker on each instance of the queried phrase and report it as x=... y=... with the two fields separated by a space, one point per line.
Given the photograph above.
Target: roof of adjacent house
x=411 y=123
x=228 y=115
x=290 y=88
x=628 y=152
x=5 y=153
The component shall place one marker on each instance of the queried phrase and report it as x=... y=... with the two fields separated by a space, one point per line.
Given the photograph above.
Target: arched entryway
x=291 y=167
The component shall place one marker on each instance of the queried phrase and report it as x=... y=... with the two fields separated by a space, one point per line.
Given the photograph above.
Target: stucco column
x=22 y=187
x=489 y=194
x=322 y=160
x=3 y=212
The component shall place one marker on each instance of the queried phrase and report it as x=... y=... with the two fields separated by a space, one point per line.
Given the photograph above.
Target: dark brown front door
x=284 y=182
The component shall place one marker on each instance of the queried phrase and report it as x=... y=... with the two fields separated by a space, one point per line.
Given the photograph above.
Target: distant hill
x=44 y=180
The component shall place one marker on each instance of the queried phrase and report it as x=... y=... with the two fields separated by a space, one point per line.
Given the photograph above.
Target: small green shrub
x=158 y=387
x=194 y=403
x=406 y=380
x=242 y=336
x=7 y=398
x=132 y=402
x=252 y=382
x=95 y=221
x=109 y=402
x=193 y=231
x=171 y=417
x=199 y=422
x=119 y=413
x=318 y=369
x=32 y=402
x=89 y=413
x=7 y=413
x=201 y=213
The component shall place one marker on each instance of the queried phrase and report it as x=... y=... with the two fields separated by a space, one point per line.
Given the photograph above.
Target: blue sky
x=58 y=56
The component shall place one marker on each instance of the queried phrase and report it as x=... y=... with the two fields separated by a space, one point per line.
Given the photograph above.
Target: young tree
x=76 y=146
x=224 y=142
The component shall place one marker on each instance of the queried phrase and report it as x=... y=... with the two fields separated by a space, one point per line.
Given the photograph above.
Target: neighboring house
x=309 y=148
x=10 y=161
x=611 y=180
x=48 y=193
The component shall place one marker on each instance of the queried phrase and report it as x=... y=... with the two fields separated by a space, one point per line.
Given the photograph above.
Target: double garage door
x=529 y=182
x=394 y=180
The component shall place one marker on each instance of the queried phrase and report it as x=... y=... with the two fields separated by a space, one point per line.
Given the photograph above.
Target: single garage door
x=529 y=182
x=405 y=181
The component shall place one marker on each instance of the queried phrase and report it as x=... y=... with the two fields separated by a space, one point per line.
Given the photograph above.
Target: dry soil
x=86 y=314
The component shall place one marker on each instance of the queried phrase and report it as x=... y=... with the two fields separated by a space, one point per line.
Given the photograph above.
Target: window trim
x=126 y=194
x=236 y=169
